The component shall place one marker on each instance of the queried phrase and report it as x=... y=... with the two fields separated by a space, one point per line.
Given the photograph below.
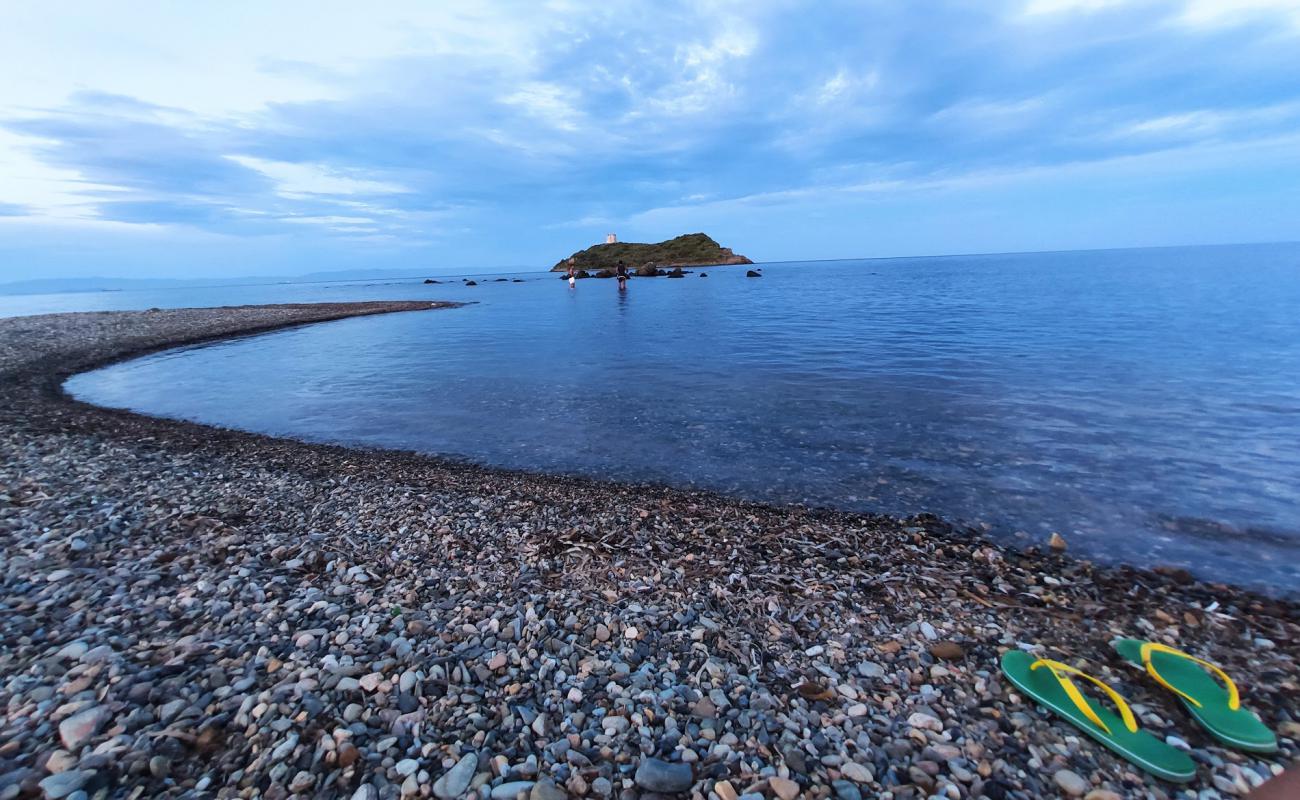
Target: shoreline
x=149 y=563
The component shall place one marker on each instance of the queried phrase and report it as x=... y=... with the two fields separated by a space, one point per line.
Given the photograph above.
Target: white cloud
x=704 y=84
x=844 y=86
x=1194 y=13
x=984 y=115
x=551 y=103
x=299 y=181
x=1221 y=13
x=1200 y=123
x=330 y=220
x=1174 y=160
x=1038 y=7
x=232 y=59
x=43 y=189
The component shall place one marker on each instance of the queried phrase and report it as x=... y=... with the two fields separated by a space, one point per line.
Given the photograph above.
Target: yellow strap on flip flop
x=1076 y=696
x=1234 y=699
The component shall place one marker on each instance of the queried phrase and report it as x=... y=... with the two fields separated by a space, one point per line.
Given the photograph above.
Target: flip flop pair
x=1217 y=708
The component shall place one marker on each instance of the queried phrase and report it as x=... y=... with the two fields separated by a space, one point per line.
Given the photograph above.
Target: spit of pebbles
x=196 y=612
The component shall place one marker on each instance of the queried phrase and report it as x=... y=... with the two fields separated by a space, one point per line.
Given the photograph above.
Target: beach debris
x=947 y=651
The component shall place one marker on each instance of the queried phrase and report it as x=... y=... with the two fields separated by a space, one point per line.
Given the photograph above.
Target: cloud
x=1212 y=14
x=445 y=125
x=305 y=180
x=1213 y=123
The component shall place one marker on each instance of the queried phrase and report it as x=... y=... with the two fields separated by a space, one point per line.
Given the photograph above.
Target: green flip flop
x=1217 y=708
x=1048 y=682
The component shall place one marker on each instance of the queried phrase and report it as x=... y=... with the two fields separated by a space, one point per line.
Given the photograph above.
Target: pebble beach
x=187 y=611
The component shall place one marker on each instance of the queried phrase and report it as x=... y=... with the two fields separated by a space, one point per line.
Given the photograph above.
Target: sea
x=1144 y=404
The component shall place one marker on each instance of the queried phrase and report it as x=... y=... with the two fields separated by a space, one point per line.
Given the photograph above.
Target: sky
x=178 y=140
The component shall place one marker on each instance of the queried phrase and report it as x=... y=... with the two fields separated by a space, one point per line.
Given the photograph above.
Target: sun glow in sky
x=198 y=140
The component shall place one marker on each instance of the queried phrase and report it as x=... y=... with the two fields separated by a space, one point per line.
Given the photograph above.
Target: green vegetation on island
x=688 y=250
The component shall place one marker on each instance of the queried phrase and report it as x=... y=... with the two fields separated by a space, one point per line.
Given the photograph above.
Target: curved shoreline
x=247 y=533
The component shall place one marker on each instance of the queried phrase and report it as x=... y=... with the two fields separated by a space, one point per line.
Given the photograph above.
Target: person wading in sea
x=622 y=276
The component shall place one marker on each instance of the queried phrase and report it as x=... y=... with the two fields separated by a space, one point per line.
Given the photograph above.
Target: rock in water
x=455 y=781
x=750 y=273
x=654 y=775
x=1057 y=542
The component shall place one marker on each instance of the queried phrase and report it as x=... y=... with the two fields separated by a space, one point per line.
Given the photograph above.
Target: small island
x=688 y=250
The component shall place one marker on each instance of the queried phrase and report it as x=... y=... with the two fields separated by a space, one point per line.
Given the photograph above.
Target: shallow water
x=1143 y=403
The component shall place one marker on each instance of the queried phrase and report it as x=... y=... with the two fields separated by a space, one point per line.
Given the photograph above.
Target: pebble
x=302 y=782
x=60 y=761
x=72 y=651
x=406 y=766
x=81 y=727
x=511 y=790
x=784 y=788
x=1071 y=783
x=857 y=772
x=62 y=784
x=546 y=789
x=925 y=722
x=655 y=775
x=455 y=781
x=846 y=790
x=322 y=619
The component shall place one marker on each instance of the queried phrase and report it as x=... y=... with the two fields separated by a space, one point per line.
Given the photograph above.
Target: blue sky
x=203 y=139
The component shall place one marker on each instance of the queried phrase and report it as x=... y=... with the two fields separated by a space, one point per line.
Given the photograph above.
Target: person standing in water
x=573 y=277
x=622 y=276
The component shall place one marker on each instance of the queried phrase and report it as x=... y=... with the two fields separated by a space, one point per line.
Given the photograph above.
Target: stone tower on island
x=611 y=238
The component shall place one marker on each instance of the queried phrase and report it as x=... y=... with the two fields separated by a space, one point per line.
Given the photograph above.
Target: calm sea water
x=1143 y=403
